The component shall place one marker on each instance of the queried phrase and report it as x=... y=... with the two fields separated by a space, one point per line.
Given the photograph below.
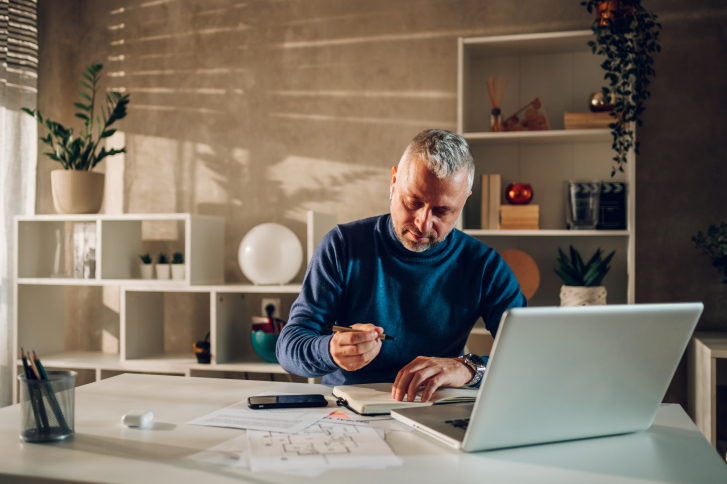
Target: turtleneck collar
x=393 y=242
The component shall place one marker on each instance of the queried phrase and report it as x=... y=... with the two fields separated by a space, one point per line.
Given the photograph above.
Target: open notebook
x=375 y=398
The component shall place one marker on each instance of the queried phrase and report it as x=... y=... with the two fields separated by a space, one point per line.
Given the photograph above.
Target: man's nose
x=424 y=221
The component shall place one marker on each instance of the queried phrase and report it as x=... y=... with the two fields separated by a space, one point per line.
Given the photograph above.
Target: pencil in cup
x=344 y=329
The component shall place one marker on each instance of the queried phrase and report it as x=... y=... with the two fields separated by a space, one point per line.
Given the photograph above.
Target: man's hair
x=444 y=152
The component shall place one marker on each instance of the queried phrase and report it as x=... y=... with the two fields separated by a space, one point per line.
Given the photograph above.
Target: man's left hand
x=432 y=373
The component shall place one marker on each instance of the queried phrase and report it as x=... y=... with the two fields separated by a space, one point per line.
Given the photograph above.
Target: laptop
x=566 y=373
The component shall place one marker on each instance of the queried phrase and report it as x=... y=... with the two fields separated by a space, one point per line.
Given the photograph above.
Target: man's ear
x=393 y=182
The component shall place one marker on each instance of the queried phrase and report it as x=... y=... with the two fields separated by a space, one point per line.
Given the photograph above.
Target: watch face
x=479 y=362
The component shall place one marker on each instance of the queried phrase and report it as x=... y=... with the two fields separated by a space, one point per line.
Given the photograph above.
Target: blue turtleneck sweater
x=429 y=301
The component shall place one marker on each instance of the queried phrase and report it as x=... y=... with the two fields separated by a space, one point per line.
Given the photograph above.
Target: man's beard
x=416 y=246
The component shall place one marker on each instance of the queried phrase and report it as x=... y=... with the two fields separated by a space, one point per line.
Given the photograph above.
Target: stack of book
x=588 y=120
x=491 y=196
x=520 y=217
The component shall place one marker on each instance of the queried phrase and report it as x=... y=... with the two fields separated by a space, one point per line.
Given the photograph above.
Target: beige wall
x=261 y=110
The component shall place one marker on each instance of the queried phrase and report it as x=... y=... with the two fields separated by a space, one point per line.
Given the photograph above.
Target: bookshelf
x=141 y=317
x=559 y=68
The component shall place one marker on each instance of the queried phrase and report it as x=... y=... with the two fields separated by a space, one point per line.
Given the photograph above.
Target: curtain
x=18 y=155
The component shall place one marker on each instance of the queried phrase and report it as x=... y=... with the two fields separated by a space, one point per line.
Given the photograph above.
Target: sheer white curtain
x=18 y=155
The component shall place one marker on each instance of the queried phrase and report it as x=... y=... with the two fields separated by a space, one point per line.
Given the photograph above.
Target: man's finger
x=358 y=349
x=355 y=337
x=417 y=380
x=432 y=385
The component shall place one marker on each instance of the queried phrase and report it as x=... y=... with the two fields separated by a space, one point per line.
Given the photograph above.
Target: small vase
x=582 y=296
x=162 y=271
x=178 y=272
x=147 y=271
x=77 y=191
x=496 y=120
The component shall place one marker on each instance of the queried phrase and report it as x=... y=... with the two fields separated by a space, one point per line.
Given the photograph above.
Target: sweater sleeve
x=500 y=292
x=303 y=345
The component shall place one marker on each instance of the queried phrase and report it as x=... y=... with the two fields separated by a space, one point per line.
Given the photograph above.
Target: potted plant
x=582 y=282
x=714 y=246
x=162 y=266
x=76 y=189
x=626 y=34
x=178 y=266
x=146 y=267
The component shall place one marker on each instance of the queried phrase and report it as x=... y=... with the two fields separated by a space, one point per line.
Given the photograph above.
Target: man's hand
x=352 y=350
x=431 y=372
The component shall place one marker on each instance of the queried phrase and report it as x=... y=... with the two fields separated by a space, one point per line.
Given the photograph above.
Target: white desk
x=103 y=450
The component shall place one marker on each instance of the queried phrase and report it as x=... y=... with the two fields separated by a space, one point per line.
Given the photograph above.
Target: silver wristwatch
x=478 y=364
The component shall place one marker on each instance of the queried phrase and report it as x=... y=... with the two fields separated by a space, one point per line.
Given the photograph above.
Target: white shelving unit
x=44 y=306
x=559 y=68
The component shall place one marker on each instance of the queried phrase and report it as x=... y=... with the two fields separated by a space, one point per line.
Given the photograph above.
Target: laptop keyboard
x=460 y=423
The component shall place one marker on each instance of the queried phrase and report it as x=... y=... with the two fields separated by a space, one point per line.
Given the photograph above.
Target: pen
x=344 y=329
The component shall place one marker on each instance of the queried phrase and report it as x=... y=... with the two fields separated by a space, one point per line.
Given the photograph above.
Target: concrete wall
x=261 y=110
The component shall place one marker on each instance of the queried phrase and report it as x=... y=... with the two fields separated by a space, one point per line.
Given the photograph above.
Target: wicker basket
x=582 y=296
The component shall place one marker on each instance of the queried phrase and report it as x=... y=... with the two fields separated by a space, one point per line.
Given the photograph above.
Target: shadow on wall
x=260 y=111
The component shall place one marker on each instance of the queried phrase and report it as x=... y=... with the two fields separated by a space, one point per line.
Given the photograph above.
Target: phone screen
x=287 y=401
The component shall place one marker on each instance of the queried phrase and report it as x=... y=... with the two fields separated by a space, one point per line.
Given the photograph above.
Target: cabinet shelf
x=535 y=137
x=547 y=233
x=162 y=363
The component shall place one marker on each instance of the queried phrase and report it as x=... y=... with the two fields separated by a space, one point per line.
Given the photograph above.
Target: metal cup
x=47 y=407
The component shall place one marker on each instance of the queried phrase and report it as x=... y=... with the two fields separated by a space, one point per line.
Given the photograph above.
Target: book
x=484 y=214
x=520 y=217
x=612 y=211
x=375 y=398
x=587 y=120
x=495 y=189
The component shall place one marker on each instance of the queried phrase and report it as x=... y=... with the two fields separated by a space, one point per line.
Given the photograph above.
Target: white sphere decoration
x=270 y=254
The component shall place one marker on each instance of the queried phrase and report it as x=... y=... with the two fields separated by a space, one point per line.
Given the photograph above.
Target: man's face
x=424 y=208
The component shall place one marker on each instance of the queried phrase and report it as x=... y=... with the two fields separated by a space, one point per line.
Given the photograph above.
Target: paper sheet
x=240 y=416
x=233 y=453
x=321 y=446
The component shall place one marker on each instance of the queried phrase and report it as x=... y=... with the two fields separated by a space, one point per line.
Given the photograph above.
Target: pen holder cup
x=47 y=407
x=264 y=345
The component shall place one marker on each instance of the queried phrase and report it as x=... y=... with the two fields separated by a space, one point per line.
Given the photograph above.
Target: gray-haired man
x=408 y=273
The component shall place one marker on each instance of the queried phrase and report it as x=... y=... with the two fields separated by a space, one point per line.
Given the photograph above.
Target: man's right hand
x=354 y=350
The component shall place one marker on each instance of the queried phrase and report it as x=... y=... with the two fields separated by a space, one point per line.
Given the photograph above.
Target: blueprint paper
x=240 y=416
x=233 y=453
x=321 y=446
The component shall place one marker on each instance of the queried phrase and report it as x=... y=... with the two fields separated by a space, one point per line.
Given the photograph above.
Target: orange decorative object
x=610 y=11
x=519 y=193
x=525 y=269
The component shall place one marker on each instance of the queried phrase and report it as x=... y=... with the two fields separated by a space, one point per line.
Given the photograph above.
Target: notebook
x=375 y=398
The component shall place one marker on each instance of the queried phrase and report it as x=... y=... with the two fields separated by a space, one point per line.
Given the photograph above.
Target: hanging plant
x=626 y=34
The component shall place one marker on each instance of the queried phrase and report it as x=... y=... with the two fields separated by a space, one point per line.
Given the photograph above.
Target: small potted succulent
x=147 y=270
x=162 y=266
x=178 y=266
x=583 y=282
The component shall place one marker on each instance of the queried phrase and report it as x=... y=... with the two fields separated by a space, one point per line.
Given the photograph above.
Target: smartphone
x=287 y=401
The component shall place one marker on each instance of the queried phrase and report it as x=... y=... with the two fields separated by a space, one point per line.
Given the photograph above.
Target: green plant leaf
x=85 y=96
x=81 y=116
x=83 y=107
x=108 y=133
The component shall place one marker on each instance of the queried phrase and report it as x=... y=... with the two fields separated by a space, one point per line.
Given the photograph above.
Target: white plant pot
x=147 y=271
x=582 y=296
x=162 y=271
x=77 y=191
x=178 y=272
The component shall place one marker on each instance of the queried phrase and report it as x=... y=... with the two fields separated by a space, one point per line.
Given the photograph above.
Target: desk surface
x=103 y=450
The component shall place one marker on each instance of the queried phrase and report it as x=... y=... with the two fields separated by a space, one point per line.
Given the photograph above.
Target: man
x=408 y=274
